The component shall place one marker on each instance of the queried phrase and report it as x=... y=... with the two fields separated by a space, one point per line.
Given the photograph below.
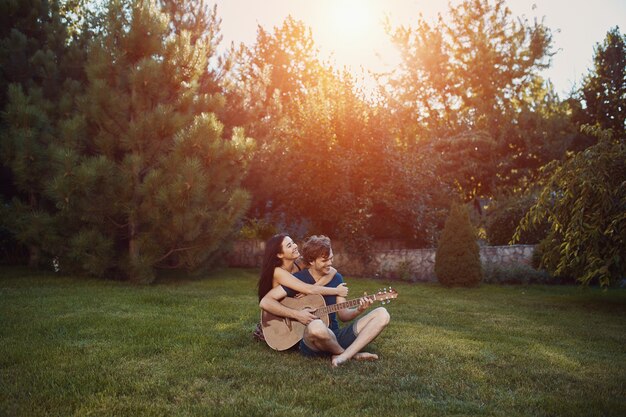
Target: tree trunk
x=133 y=250
x=34 y=254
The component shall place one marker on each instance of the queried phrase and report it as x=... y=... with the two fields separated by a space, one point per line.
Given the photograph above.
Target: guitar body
x=282 y=333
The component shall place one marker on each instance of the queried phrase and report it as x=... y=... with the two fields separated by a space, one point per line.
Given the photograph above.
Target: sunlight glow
x=353 y=32
x=350 y=32
x=352 y=18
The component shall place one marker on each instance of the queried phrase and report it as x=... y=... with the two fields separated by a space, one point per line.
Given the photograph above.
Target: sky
x=349 y=33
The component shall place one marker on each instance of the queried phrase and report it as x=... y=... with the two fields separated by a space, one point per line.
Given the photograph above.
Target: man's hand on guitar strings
x=364 y=303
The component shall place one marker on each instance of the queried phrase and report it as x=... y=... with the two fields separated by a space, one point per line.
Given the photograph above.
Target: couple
x=284 y=274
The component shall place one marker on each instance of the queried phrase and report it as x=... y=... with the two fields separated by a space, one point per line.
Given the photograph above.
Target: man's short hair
x=316 y=247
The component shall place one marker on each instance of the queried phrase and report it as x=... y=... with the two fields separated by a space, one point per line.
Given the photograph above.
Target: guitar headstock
x=386 y=295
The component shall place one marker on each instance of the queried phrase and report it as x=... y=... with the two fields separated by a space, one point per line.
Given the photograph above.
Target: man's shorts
x=345 y=337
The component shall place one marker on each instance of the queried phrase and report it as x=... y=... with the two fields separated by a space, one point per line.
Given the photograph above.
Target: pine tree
x=155 y=184
x=457 y=262
x=41 y=72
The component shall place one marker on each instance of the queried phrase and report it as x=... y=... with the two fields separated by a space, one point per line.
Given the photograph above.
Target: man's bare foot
x=361 y=356
x=365 y=356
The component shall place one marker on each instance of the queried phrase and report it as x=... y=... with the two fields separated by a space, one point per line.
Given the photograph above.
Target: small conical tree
x=458 y=256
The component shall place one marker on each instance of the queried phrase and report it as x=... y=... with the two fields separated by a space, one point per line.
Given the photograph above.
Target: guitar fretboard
x=340 y=306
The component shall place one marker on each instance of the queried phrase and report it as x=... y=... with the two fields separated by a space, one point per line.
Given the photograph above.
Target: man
x=340 y=344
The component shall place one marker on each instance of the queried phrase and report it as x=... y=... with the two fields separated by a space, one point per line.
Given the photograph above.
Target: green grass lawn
x=83 y=347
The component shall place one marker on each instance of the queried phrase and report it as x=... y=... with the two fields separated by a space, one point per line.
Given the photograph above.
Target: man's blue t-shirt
x=305 y=276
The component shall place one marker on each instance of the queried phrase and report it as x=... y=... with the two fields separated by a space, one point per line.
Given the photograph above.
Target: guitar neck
x=340 y=306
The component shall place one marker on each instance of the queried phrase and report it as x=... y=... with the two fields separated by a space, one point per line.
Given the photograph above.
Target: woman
x=280 y=261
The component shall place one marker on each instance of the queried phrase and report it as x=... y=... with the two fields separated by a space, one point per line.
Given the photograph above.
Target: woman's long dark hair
x=273 y=247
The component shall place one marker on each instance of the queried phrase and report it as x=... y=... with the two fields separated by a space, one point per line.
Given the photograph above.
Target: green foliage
x=504 y=215
x=202 y=23
x=405 y=270
x=150 y=171
x=27 y=134
x=153 y=181
x=457 y=261
x=26 y=137
x=515 y=273
x=604 y=88
x=584 y=201
x=42 y=63
x=285 y=60
x=12 y=252
x=257 y=229
x=469 y=85
x=329 y=149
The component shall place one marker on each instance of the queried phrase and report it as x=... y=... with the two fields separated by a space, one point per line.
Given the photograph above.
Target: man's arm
x=348 y=314
x=271 y=303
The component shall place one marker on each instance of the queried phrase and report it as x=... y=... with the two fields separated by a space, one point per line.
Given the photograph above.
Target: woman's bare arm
x=283 y=277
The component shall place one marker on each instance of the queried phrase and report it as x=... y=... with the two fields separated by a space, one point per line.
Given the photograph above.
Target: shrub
x=514 y=273
x=505 y=214
x=458 y=258
x=405 y=271
x=257 y=229
x=539 y=263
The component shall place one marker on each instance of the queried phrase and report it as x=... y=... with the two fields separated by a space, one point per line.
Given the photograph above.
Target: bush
x=405 y=271
x=458 y=258
x=537 y=262
x=515 y=273
x=503 y=217
x=257 y=229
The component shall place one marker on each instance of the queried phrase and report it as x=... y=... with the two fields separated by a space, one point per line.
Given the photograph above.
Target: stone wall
x=405 y=264
x=419 y=264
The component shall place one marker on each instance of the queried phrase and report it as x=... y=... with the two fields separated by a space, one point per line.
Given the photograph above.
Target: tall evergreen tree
x=203 y=24
x=155 y=185
x=41 y=72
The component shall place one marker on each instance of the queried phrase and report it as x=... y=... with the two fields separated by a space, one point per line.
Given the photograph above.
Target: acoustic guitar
x=281 y=333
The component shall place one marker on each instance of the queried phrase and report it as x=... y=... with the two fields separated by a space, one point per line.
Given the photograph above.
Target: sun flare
x=352 y=32
x=352 y=18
